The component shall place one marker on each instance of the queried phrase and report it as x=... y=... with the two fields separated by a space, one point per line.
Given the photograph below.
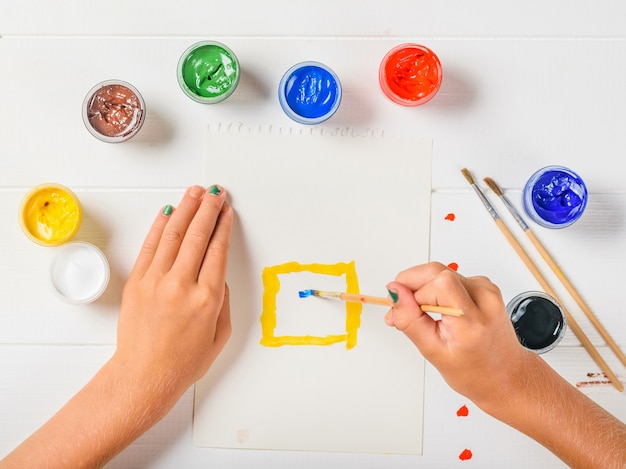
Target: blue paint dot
x=309 y=93
x=305 y=293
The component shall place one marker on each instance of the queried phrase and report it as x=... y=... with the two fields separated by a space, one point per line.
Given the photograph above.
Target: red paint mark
x=453 y=266
x=465 y=455
x=450 y=217
x=588 y=384
x=463 y=411
x=602 y=381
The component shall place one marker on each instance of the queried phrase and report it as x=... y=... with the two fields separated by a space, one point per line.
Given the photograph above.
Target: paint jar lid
x=50 y=214
x=113 y=111
x=208 y=72
x=555 y=197
x=538 y=320
x=410 y=74
x=309 y=93
x=79 y=272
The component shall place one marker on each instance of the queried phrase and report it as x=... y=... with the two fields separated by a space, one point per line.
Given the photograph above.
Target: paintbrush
x=571 y=322
x=374 y=300
x=557 y=270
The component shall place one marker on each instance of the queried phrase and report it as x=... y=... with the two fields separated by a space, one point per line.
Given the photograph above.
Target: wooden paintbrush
x=523 y=255
x=557 y=270
x=374 y=300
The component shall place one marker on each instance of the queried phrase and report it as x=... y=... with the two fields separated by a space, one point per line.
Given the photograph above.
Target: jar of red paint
x=410 y=74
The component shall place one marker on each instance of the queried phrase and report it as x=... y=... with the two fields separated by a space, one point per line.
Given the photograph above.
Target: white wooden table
x=524 y=86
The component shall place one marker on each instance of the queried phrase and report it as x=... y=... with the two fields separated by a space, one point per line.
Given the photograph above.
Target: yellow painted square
x=271 y=284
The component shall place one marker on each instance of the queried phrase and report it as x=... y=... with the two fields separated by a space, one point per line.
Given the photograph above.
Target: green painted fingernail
x=167 y=211
x=215 y=190
x=393 y=295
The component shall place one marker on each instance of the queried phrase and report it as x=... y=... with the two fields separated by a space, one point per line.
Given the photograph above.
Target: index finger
x=418 y=276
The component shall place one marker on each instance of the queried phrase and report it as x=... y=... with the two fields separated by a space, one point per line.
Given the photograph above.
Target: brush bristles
x=468 y=175
x=493 y=186
x=306 y=293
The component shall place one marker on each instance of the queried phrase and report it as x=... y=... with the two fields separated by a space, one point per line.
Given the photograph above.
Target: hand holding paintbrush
x=481 y=358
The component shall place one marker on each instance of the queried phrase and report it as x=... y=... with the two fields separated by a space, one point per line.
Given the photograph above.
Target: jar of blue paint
x=309 y=92
x=555 y=197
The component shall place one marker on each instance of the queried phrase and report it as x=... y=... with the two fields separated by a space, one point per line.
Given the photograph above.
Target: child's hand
x=175 y=315
x=474 y=352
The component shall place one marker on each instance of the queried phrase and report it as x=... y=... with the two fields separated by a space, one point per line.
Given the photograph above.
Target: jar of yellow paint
x=50 y=214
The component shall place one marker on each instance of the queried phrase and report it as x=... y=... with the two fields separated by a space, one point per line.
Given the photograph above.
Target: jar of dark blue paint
x=538 y=320
x=309 y=92
x=555 y=197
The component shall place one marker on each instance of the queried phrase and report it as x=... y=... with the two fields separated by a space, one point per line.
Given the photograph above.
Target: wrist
x=511 y=387
x=152 y=393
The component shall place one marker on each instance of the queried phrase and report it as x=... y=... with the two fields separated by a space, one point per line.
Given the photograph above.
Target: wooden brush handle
x=373 y=300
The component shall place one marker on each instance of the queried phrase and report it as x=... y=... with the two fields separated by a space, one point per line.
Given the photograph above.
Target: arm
x=174 y=320
x=524 y=391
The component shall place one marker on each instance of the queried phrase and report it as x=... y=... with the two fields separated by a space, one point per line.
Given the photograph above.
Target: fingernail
x=393 y=295
x=167 y=210
x=196 y=192
x=215 y=190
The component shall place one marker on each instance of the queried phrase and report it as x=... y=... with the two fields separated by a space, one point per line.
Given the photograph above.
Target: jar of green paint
x=208 y=72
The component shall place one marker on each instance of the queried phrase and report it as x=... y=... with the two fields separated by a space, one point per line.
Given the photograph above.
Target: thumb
x=407 y=316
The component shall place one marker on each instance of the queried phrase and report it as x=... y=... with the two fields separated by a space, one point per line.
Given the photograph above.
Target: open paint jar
x=410 y=74
x=208 y=72
x=555 y=197
x=113 y=111
x=50 y=214
x=79 y=272
x=538 y=320
x=309 y=93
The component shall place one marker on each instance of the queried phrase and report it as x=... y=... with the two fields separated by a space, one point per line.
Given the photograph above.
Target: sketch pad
x=329 y=211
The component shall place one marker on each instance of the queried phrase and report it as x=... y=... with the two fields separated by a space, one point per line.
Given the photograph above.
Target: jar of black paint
x=538 y=320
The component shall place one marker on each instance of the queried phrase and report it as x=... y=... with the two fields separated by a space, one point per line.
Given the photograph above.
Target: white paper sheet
x=314 y=200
